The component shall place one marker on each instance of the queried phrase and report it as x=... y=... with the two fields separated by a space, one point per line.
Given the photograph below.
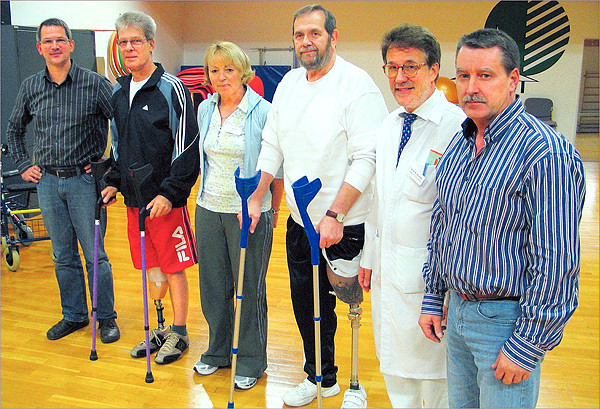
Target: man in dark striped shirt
x=504 y=235
x=69 y=108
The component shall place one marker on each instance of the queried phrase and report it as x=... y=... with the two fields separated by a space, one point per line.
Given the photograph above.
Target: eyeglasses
x=136 y=42
x=409 y=69
x=61 y=41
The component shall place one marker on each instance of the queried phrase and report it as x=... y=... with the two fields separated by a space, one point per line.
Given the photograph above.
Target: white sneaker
x=306 y=391
x=355 y=398
x=204 y=369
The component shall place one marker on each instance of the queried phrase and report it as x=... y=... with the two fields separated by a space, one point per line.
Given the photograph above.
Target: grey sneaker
x=172 y=349
x=157 y=338
x=204 y=369
x=244 y=382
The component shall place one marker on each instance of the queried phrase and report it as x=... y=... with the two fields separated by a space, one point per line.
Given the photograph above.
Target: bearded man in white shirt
x=322 y=124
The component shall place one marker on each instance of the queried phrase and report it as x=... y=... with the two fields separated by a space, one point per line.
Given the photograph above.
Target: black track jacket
x=160 y=128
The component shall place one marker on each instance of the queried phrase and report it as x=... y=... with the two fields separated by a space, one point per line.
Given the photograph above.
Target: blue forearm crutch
x=245 y=187
x=304 y=193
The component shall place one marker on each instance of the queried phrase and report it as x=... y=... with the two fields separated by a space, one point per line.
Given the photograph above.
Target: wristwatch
x=337 y=216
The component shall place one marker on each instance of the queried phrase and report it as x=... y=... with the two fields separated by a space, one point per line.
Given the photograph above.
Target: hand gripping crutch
x=304 y=192
x=245 y=187
x=98 y=170
x=139 y=174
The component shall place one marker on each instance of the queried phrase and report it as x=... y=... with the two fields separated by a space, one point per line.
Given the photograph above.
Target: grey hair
x=330 y=23
x=139 y=20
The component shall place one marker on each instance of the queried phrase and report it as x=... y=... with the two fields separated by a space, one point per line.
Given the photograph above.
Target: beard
x=320 y=60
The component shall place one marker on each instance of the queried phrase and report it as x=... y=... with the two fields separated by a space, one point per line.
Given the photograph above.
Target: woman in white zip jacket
x=231 y=122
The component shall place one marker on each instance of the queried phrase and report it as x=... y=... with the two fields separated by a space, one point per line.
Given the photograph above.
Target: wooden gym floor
x=36 y=372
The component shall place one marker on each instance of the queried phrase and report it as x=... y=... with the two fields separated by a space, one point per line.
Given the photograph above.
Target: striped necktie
x=406 y=132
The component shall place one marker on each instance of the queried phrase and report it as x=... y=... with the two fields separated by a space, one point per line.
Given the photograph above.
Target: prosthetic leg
x=349 y=291
x=158 y=289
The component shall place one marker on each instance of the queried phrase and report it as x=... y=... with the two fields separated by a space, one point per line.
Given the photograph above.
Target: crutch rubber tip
x=93 y=356
x=230 y=404
x=149 y=377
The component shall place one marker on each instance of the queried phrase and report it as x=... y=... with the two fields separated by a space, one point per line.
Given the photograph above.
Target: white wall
x=99 y=16
x=361 y=25
x=186 y=28
x=560 y=83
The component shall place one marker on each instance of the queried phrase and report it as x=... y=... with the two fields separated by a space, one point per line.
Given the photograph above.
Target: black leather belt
x=482 y=297
x=64 y=172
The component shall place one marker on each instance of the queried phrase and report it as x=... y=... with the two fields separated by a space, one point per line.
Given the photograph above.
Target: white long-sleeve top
x=325 y=129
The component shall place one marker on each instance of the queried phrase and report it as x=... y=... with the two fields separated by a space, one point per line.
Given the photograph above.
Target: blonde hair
x=231 y=54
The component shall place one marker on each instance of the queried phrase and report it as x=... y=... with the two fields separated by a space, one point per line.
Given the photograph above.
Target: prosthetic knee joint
x=158 y=289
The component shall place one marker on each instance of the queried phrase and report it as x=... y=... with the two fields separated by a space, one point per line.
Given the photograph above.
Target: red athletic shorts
x=169 y=241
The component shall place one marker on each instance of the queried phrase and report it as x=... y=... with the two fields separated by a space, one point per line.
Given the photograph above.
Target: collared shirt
x=70 y=120
x=506 y=223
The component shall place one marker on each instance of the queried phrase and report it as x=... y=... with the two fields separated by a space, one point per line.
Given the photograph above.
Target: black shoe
x=109 y=332
x=63 y=328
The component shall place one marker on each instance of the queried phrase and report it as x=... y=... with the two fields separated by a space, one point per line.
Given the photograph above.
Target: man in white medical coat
x=409 y=144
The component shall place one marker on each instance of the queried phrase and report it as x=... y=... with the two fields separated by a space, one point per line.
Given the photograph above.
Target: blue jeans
x=68 y=208
x=476 y=332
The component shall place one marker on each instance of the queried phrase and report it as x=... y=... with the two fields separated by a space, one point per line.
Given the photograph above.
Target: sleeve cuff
x=357 y=180
x=269 y=166
x=23 y=165
x=522 y=352
x=433 y=304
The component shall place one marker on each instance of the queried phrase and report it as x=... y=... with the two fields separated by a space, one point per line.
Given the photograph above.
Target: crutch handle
x=245 y=187
x=99 y=168
x=304 y=193
x=140 y=174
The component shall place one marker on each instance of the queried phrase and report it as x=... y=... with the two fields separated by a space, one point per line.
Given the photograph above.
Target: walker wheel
x=12 y=259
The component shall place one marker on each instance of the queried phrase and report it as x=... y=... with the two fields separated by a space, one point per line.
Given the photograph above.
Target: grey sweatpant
x=218 y=245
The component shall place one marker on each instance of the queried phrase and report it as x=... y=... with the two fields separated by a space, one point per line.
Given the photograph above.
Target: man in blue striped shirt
x=504 y=235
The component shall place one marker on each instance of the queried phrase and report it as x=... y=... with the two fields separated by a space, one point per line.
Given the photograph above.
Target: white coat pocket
x=409 y=262
x=420 y=186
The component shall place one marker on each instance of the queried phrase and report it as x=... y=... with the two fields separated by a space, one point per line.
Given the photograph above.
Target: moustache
x=473 y=98
x=405 y=84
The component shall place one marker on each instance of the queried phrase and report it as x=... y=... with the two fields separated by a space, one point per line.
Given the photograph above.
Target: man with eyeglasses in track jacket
x=154 y=123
